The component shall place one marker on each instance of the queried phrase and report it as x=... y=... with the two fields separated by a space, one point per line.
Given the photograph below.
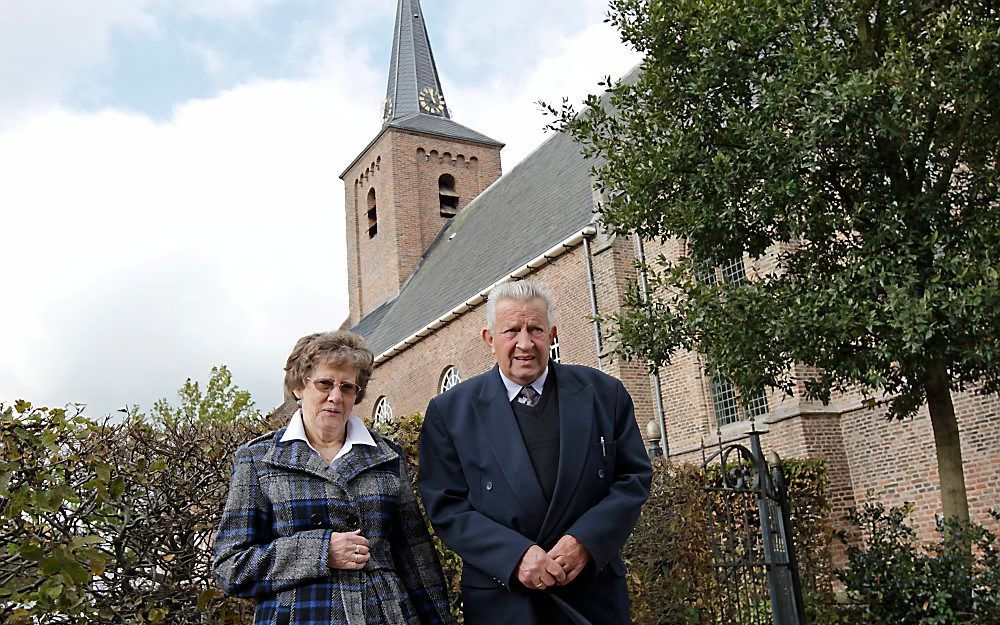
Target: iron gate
x=753 y=555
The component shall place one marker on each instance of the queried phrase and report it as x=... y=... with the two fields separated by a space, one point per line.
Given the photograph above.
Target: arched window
x=554 y=349
x=382 y=415
x=450 y=379
x=372 y=214
x=448 y=195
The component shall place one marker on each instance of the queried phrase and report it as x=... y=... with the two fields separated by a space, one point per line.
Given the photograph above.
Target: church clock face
x=387 y=110
x=431 y=101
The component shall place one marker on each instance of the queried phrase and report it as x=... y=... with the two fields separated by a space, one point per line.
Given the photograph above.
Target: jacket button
x=317 y=519
x=352 y=522
x=489 y=485
x=600 y=473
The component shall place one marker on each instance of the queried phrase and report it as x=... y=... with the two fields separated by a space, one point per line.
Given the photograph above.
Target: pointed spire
x=414 y=86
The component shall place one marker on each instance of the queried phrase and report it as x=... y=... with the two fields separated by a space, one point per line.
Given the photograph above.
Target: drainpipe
x=654 y=377
x=593 y=300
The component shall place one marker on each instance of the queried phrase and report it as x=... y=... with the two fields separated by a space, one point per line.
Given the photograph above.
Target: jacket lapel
x=576 y=423
x=494 y=412
x=361 y=458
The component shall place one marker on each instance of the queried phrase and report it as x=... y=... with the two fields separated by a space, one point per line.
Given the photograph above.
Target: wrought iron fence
x=753 y=555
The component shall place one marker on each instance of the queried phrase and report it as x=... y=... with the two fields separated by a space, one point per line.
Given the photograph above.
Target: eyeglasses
x=324 y=385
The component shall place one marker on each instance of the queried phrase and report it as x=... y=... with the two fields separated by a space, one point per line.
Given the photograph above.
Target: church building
x=432 y=225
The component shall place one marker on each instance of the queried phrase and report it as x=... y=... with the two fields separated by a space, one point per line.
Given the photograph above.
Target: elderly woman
x=321 y=524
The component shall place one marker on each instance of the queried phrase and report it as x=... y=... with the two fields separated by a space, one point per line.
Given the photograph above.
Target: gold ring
x=540 y=586
x=356 y=558
x=357 y=548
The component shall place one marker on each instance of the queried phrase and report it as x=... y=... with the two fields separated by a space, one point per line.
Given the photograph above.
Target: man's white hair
x=519 y=291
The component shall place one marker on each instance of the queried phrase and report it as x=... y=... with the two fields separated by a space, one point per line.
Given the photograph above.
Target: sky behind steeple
x=177 y=161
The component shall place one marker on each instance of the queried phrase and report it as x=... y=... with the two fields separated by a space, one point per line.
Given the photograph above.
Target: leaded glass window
x=450 y=379
x=554 y=349
x=383 y=412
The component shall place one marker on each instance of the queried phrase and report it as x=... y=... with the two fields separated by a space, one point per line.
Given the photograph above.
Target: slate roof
x=411 y=70
x=367 y=325
x=411 y=66
x=540 y=202
x=440 y=126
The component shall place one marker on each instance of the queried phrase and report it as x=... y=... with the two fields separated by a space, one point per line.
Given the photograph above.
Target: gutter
x=532 y=266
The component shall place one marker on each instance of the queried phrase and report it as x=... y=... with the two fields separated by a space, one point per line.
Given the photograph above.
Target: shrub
x=892 y=579
x=672 y=575
x=112 y=522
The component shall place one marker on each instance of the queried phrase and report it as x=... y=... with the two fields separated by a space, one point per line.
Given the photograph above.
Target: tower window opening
x=372 y=215
x=448 y=195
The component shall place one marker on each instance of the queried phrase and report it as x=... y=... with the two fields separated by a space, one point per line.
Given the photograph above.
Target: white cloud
x=45 y=43
x=217 y=9
x=143 y=253
x=138 y=253
x=506 y=107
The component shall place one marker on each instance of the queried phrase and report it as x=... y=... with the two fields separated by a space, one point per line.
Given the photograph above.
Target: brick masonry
x=404 y=169
x=865 y=453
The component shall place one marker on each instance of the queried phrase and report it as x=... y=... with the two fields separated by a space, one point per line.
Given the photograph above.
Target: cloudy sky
x=169 y=197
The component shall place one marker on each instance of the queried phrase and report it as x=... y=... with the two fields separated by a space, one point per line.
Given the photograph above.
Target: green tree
x=851 y=142
x=222 y=402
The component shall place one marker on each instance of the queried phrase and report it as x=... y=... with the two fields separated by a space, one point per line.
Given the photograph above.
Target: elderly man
x=534 y=473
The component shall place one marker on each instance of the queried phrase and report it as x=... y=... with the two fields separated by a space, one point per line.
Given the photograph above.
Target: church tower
x=419 y=172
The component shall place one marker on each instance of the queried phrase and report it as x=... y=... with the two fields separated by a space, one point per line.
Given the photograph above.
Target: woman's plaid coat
x=284 y=503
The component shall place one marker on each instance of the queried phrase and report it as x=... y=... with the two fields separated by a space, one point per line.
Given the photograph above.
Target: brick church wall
x=411 y=378
x=896 y=461
x=404 y=168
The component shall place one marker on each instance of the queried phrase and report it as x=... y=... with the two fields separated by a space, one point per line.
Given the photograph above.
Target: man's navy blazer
x=484 y=500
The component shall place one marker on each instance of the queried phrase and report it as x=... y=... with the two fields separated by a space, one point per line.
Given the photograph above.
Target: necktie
x=527 y=396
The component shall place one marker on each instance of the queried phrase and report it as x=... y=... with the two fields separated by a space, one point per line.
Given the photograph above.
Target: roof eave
x=490 y=143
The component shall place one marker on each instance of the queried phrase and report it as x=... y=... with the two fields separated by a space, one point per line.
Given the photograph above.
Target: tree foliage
x=848 y=146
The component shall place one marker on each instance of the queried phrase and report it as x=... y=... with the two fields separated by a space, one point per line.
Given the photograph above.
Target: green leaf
x=31 y=551
x=117 y=488
x=60 y=564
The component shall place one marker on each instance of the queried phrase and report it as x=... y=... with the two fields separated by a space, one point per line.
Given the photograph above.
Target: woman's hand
x=348 y=550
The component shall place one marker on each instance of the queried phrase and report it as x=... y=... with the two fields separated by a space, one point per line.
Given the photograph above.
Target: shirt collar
x=357 y=434
x=513 y=388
